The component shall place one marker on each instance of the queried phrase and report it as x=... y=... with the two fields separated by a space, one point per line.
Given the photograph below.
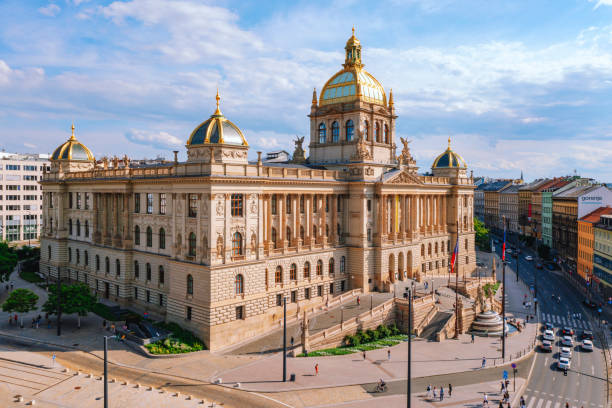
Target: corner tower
x=352 y=122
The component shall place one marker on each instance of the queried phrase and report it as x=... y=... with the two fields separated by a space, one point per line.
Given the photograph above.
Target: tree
x=483 y=240
x=8 y=260
x=20 y=301
x=74 y=299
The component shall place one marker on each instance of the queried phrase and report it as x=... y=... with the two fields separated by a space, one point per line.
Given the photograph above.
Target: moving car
x=546 y=346
x=509 y=250
x=548 y=335
x=565 y=352
x=567 y=341
x=549 y=326
x=529 y=258
x=587 y=345
x=563 y=363
x=586 y=334
x=568 y=331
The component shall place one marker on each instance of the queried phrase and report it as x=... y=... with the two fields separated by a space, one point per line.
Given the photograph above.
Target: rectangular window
x=136 y=293
x=13 y=187
x=69 y=200
x=148 y=296
x=369 y=205
x=239 y=312
x=342 y=286
x=237 y=204
x=307 y=293
x=279 y=300
x=188 y=317
x=50 y=200
x=161 y=299
x=331 y=288
x=78 y=201
x=320 y=290
x=30 y=188
x=193 y=205
x=162 y=203
x=30 y=178
x=13 y=167
x=136 y=202
x=87 y=201
x=149 y=203
x=29 y=168
x=294 y=296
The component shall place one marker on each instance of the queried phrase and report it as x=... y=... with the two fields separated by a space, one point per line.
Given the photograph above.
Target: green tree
x=483 y=240
x=20 y=301
x=8 y=260
x=74 y=299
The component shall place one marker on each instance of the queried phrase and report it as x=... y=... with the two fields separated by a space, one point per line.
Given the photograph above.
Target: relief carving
x=220 y=246
x=253 y=242
x=220 y=208
x=362 y=152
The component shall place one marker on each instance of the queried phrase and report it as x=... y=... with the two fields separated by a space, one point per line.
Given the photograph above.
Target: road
x=585 y=384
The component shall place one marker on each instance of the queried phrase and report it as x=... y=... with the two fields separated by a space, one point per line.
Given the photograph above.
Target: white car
x=529 y=258
x=549 y=335
x=564 y=363
x=587 y=345
x=565 y=352
x=567 y=341
x=508 y=251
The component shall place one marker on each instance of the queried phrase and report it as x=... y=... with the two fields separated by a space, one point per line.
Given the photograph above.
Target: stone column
x=308 y=209
x=403 y=218
x=394 y=217
x=267 y=221
x=383 y=205
x=95 y=226
x=282 y=213
x=414 y=215
x=295 y=209
x=322 y=218
x=334 y=222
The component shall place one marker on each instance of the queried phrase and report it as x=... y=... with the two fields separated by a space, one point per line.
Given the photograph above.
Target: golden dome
x=449 y=159
x=72 y=150
x=217 y=129
x=353 y=82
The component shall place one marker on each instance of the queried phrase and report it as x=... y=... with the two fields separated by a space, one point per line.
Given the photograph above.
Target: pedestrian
x=485 y=401
x=389 y=355
x=435 y=393
x=522 y=403
x=291 y=341
x=364 y=354
x=15 y=318
x=428 y=390
x=472 y=337
x=317 y=369
x=358 y=301
x=507 y=384
x=441 y=393
x=484 y=362
x=502 y=387
x=10 y=320
x=33 y=323
x=104 y=323
x=501 y=405
x=450 y=390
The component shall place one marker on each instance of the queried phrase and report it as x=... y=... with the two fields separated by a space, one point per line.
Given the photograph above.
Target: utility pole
x=105 y=372
x=456 y=286
x=408 y=390
x=504 y=295
x=59 y=301
x=284 y=339
x=518 y=258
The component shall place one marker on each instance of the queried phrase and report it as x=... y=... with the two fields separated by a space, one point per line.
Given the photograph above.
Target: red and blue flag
x=455 y=253
x=504 y=246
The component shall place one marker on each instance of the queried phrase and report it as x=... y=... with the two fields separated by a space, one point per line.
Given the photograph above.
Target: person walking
x=364 y=354
x=484 y=362
x=435 y=393
x=450 y=390
x=522 y=403
x=472 y=337
x=485 y=401
x=358 y=301
x=317 y=369
x=428 y=390
x=441 y=393
x=389 y=355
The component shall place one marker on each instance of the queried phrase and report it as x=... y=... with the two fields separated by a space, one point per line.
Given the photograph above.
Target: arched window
x=330 y=269
x=429 y=249
x=442 y=247
x=366 y=130
x=322 y=132
x=466 y=244
x=97 y=262
x=78 y=228
x=273 y=204
x=335 y=132
x=338 y=230
x=149 y=237
x=448 y=246
x=293 y=272
x=107 y=265
x=49 y=251
x=302 y=233
x=192 y=244
x=436 y=249
x=306 y=270
x=422 y=249
x=86 y=258
x=343 y=264
x=69 y=254
x=273 y=237
x=314 y=232
x=350 y=130
x=136 y=270
x=78 y=256
x=239 y=284
x=137 y=235
x=377 y=131
x=387 y=135
x=236 y=244
x=148 y=271
x=161 y=276
x=319 y=268
x=162 y=238
x=117 y=267
x=86 y=229
x=288 y=234
x=278 y=275
x=70 y=226
x=189 y=285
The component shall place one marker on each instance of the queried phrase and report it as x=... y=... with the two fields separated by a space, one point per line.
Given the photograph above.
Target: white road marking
x=540 y=402
x=548 y=403
x=557 y=404
x=592 y=370
x=545 y=362
x=531 y=402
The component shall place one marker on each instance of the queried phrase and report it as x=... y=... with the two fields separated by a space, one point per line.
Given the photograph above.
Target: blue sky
x=518 y=85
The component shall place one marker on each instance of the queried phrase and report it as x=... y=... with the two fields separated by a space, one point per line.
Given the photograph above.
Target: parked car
x=514 y=254
x=529 y=258
x=538 y=266
x=589 y=304
x=565 y=352
x=587 y=345
x=508 y=250
x=549 y=326
x=567 y=331
x=548 y=335
x=563 y=363
x=567 y=341
x=546 y=346
x=586 y=334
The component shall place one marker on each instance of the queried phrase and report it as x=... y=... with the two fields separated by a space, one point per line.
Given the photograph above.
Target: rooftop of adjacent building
x=512 y=189
x=495 y=185
x=24 y=156
x=594 y=217
x=577 y=191
x=605 y=223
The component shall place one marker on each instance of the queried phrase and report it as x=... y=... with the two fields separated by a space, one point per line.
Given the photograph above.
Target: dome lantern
x=449 y=164
x=72 y=150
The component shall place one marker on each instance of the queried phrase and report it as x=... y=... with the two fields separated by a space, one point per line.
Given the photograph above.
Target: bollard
x=150 y=389
x=33 y=402
x=188 y=398
x=66 y=370
x=137 y=385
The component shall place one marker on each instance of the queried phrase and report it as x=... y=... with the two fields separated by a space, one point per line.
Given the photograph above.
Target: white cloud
x=532 y=120
x=30 y=145
x=50 y=10
x=23 y=78
x=601 y=3
x=157 y=139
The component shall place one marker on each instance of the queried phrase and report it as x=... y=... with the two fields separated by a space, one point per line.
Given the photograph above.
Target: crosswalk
x=545 y=400
x=562 y=321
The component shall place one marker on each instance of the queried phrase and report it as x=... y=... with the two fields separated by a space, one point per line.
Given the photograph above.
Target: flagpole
x=456 y=284
x=504 y=293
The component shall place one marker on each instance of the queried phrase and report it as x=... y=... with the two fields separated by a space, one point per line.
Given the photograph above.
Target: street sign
x=505 y=375
x=513 y=365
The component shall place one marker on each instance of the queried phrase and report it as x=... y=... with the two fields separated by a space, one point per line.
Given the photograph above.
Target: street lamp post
x=408 y=388
x=106 y=371
x=59 y=302
x=284 y=339
x=456 y=291
x=504 y=299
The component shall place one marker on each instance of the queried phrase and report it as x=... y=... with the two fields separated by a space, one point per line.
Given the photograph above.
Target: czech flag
x=504 y=246
x=455 y=253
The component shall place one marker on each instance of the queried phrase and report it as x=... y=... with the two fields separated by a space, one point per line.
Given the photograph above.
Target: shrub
x=372 y=334
x=394 y=329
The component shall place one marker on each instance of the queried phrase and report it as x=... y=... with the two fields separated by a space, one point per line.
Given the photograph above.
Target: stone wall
x=423 y=310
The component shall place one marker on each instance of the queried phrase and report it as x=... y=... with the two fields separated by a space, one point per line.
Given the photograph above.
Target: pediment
x=404 y=178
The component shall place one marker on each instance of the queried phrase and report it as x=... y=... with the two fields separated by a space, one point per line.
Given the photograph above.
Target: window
x=278 y=275
x=69 y=200
x=161 y=275
x=117 y=267
x=78 y=256
x=331 y=266
x=86 y=258
x=314 y=232
x=302 y=233
x=193 y=205
x=306 y=270
x=273 y=237
x=466 y=244
x=314 y=203
x=70 y=226
x=97 y=262
x=78 y=228
x=307 y=293
x=326 y=230
x=236 y=201
x=136 y=235
x=320 y=290
x=136 y=270
x=319 y=268
x=331 y=288
x=236 y=244
x=239 y=285
x=335 y=132
x=342 y=286
x=422 y=249
x=149 y=203
x=339 y=203
x=87 y=201
x=288 y=204
x=136 y=202
x=136 y=293
x=162 y=203
x=387 y=134
x=288 y=234
x=149 y=237
x=322 y=133
x=162 y=238
x=107 y=265
x=189 y=285
x=239 y=312
x=293 y=272
x=326 y=203
x=273 y=204
x=467 y=260
x=188 y=317
x=301 y=204
x=192 y=244
x=343 y=264
x=161 y=299
x=148 y=267
x=366 y=130
x=350 y=130
x=86 y=229
x=78 y=201
x=279 y=299
x=369 y=234
x=293 y=296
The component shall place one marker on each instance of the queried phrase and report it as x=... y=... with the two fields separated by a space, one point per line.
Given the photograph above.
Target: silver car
x=565 y=352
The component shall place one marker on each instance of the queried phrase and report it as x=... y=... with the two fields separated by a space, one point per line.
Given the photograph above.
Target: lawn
x=373 y=345
x=103 y=311
x=30 y=277
x=180 y=341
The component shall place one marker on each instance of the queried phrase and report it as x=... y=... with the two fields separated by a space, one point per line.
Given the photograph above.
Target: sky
x=517 y=85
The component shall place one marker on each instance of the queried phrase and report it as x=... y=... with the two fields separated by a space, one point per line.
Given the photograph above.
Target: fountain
x=488 y=323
